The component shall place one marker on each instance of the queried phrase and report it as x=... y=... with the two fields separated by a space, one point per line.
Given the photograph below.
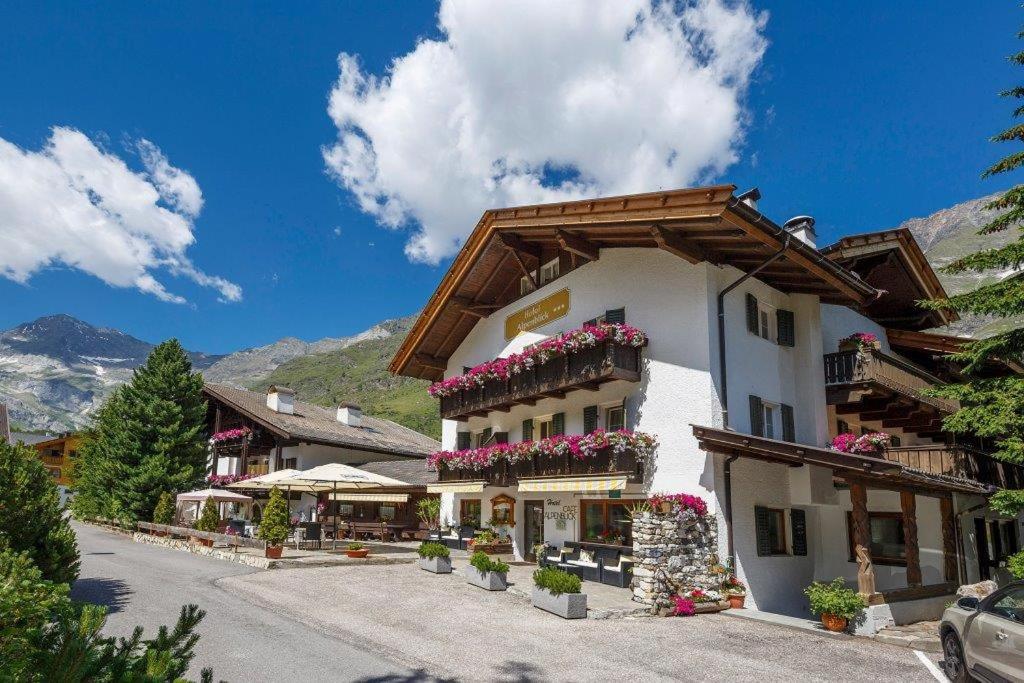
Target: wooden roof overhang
x=845 y=466
x=937 y=345
x=892 y=261
x=700 y=224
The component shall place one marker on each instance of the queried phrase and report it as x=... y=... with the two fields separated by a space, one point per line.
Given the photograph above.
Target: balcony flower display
x=231 y=435
x=862 y=341
x=579 y=446
x=865 y=444
x=218 y=480
x=585 y=337
x=680 y=503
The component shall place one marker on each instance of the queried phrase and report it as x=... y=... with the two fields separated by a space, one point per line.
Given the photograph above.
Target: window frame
x=877 y=559
x=783 y=548
x=608 y=410
x=989 y=605
x=607 y=504
x=463 y=504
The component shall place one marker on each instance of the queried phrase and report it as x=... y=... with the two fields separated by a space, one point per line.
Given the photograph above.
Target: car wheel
x=953 y=658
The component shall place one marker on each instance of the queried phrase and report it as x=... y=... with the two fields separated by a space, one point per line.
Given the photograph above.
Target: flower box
x=493 y=548
x=436 y=565
x=491 y=581
x=565 y=605
x=711 y=607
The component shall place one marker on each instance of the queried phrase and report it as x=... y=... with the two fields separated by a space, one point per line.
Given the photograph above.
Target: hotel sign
x=535 y=315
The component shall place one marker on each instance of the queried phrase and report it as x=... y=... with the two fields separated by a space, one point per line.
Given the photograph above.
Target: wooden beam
x=866 y=405
x=949 y=558
x=516 y=244
x=674 y=244
x=578 y=245
x=862 y=539
x=432 y=362
x=479 y=309
x=908 y=504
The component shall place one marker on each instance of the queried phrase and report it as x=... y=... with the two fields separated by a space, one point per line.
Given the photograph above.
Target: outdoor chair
x=466 y=534
x=616 y=567
x=551 y=556
x=580 y=562
x=312 y=535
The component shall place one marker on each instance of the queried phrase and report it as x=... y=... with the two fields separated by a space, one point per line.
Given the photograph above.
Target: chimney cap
x=798 y=221
x=275 y=389
x=350 y=406
x=753 y=193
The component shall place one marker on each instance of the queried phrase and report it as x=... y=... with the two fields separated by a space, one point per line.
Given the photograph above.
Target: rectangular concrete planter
x=491 y=581
x=565 y=605
x=437 y=565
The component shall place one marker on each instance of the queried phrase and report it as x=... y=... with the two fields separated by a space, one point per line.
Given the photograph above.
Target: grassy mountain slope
x=359 y=374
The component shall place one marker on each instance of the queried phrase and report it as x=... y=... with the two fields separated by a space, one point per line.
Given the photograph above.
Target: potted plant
x=734 y=591
x=429 y=512
x=274 y=525
x=486 y=573
x=163 y=513
x=860 y=341
x=208 y=521
x=356 y=549
x=835 y=603
x=435 y=557
x=559 y=592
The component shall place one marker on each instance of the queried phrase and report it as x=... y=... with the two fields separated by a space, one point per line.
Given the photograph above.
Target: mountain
x=947 y=235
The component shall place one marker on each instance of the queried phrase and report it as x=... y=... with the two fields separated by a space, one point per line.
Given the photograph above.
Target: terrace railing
x=586 y=368
x=958 y=461
x=503 y=473
x=895 y=374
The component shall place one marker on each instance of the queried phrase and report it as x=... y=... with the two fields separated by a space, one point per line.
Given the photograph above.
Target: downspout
x=724 y=376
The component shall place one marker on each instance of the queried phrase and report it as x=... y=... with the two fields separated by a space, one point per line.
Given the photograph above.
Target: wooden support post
x=216 y=428
x=949 y=555
x=908 y=503
x=862 y=540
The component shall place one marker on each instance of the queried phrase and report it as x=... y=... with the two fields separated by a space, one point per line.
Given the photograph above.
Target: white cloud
x=73 y=203
x=533 y=101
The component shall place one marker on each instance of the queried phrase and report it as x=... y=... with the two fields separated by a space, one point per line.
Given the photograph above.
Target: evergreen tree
x=31 y=517
x=164 y=511
x=994 y=407
x=274 y=527
x=209 y=518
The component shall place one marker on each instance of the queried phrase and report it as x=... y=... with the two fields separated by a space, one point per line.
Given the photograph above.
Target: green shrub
x=164 y=511
x=483 y=563
x=355 y=546
x=431 y=549
x=429 y=511
x=1015 y=564
x=210 y=517
x=557 y=581
x=834 y=598
x=274 y=527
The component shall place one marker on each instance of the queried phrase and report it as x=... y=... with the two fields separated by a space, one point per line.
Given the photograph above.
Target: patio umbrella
x=218 y=495
x=334 y=476
x=265 y=482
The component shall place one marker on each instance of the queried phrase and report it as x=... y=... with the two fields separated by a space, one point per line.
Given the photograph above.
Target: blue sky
x=861 y=118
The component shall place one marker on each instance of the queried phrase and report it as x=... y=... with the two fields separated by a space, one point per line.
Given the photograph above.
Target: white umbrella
x=265 y=482
x=218 y=495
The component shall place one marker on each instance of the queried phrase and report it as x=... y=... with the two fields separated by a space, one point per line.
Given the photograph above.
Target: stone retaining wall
x=672 y=551
x=197 y=549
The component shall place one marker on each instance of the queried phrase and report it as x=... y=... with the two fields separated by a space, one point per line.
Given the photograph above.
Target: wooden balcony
x=53 y=460
x=586 y=369
x=958 y=461
x=605 y=461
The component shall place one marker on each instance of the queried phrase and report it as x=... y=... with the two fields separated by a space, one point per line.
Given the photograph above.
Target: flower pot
x=273 y=552
x=833 y=622
x=491 y=581
x=736 y=600
x=362 y=552
x=436 y=565
x=565 y=605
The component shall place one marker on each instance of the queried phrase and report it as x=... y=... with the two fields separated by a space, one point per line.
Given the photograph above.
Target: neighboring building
x=740 y=315
x=57 y=454
x=256 y=433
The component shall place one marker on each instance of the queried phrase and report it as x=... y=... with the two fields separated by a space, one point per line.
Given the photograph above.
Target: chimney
x=281 y=400
x=750 y=197
x=350 y=414
x=802 y=228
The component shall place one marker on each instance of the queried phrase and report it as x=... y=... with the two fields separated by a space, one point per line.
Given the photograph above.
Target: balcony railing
x=958 y=461
x=503 y=473
x=874 y=367
x=589 y=367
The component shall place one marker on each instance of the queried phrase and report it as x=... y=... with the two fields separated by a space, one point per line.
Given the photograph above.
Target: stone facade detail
x=672 y=551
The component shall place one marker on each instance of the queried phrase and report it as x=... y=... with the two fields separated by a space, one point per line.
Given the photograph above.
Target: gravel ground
x=441 y=625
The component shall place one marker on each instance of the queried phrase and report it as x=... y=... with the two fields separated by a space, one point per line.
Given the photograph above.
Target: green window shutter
x=589 y=419
x=528 y=430
x=615 y=316
x=764 y=546
x=591 y=322
x=788 y=426
x=463 y=441
x=894 y=441
x=798 y=520
x=558 y=423
x=756 y=416
x=752 y=323
x=500 y=437
x=786 y=327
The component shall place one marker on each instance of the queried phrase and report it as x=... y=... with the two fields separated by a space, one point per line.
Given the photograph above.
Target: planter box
x=566 y=605
x=492 y=548
x=491 y=581
x=436 y=565
x=710 y=607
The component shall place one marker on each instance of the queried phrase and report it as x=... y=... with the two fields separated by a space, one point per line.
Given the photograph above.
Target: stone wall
x=671 y=552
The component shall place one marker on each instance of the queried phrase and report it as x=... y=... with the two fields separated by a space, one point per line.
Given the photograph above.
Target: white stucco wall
x=838 y=322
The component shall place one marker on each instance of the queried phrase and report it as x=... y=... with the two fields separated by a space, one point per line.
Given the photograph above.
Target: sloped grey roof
x=412 y=472
x=319 y=425
x=29 y=439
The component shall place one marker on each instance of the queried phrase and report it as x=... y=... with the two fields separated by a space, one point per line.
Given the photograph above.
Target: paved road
x=145 y=585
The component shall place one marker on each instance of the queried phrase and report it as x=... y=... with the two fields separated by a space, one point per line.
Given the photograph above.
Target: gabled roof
x=412 y=472
x=697 y=224
x=891 y=260
x=315 y=424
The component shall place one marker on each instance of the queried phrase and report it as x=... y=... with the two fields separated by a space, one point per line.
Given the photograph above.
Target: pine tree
x=164 y=511
x=210 y=517
x=993 y=407
x=275 y=524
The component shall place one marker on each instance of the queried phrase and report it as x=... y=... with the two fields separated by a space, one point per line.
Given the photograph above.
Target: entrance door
x=534 y=527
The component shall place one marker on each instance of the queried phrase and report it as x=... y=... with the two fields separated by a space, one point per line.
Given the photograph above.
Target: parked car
x=984 y=639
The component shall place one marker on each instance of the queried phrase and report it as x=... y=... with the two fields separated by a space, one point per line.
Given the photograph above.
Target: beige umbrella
x=265 y=482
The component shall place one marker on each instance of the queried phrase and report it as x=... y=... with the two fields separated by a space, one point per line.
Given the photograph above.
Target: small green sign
x=615 y=494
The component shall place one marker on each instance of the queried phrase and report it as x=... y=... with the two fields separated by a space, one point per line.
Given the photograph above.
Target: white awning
x=371 y=497
x=457 y=487
x=565 y=484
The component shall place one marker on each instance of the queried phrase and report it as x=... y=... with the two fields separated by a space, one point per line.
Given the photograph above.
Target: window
x=1009 y=605
x=765 y=326
x=549 y=272
x=546 y=427
x=387 y=512
x=483 y=437
x=605 y=521
x=887 y=543
x=770 y=527
x=290 y=463
x=769 y=421
x=525 y=286
x=54 y=472
x=842 y=427
x=615 y=418
x=894 y=441
x=469 y=512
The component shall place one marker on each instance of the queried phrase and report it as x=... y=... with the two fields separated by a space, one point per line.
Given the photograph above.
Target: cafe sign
x=537 y=314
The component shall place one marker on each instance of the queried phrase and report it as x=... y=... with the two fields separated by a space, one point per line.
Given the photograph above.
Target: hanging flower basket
x=860 y=341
